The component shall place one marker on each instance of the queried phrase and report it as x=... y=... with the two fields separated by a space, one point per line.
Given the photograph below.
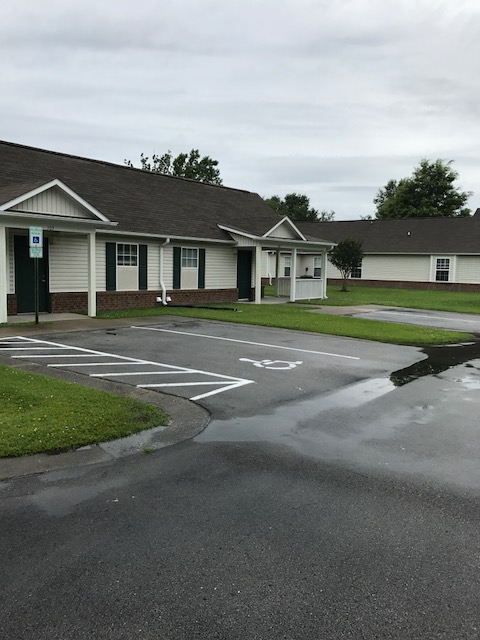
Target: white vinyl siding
x=153 y=267
x=401 y=267
x=385 y=267
x=53 y=202
x=284 y=231
x=100 y=263
x=220 y=268
x=242 y=241
x=468 y=269
x=167 y=266
x=68 y=263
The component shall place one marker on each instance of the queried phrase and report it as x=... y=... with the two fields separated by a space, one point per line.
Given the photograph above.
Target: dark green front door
x=244 y=274
x=24 y=277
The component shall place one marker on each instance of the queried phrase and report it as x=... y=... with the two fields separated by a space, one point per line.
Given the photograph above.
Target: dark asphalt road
x=236 y=541
x=344 y=508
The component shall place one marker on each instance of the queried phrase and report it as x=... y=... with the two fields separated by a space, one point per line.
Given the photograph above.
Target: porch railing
x=305 y=288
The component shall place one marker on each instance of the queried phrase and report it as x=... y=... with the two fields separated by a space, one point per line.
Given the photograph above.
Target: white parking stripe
x=97 y=364
x=32 y=348
x=255 y=344
x=224 y=382
x=111 y=374
x=62 y=355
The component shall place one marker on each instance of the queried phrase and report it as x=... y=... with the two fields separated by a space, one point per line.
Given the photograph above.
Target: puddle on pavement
x=438 y=359
x=286 y=421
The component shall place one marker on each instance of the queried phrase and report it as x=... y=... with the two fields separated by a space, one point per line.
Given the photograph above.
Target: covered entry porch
x=283 y=239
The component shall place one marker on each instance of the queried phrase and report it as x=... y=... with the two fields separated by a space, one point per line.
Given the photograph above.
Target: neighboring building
x=420 y=253
x=116 y=237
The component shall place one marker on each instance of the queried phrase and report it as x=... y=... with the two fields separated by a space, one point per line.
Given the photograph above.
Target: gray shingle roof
x=139 y=201
x=407 y=235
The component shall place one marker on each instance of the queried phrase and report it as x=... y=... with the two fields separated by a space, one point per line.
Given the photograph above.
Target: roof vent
x=408 y=233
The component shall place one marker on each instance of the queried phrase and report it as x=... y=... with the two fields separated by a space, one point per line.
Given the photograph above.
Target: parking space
x=230 y=369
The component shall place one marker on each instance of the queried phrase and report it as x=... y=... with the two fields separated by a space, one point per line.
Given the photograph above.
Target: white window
x=127 y=255
x=189 y=258
x=442 y=269
x=287 y=266
x=317 y=267
x=357 y=271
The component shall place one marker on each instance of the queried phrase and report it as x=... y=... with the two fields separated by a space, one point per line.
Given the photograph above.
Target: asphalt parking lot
x=323 y=500
x=232 y=370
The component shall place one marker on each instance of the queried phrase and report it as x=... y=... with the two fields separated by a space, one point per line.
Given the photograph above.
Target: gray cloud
x=311 y=96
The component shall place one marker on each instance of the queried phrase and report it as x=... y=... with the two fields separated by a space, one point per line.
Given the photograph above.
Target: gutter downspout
x=162 y=283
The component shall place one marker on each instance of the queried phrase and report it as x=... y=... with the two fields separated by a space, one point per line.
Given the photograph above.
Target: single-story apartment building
x=417 y=253
x=116 y=237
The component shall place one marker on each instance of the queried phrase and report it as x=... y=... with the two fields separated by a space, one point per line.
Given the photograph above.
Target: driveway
x=470 y=323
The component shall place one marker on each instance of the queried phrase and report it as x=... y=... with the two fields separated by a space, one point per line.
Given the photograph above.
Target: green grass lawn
x=42 y=414
x=302 y=318
x=456 y=301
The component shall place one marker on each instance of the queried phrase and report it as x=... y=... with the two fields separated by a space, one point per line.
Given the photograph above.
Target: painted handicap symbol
x=276 y=365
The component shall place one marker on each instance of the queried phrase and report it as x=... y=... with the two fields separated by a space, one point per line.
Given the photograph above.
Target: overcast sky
x=326 y=98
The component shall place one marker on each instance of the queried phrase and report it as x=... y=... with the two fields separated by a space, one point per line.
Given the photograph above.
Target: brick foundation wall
x=405 y=284
x=110 y=300
x=69 y=302
x=11 y=304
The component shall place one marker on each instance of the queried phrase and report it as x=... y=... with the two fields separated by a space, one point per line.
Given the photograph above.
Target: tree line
x=430 y=190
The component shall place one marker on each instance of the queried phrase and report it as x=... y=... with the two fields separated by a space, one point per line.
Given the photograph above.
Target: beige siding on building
x=168 y=266
x=54 y=202
x=401 y=267
x=385 y=267
x=100 y=263
x=153 y=266
x=468 y=269
x=333 y=272
x=220 y=268
x=284 y=231
x=242 y=241
x=68 y=268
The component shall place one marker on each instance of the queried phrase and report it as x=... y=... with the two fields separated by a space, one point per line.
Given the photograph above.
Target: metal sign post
x=36 y=252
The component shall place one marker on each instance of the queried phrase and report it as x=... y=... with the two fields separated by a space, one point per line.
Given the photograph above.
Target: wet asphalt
x=336 y=498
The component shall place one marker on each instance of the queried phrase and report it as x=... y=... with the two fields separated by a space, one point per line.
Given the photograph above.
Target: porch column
x=3 y=274
x=277 y=270
x=324 y=275
x=293 y=275
x=92 y=275
x=258 y=274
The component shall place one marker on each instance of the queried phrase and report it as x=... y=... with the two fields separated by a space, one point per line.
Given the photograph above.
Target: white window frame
x=359 y=269
x=434 y=267
x=287 y=266
x=189 y=258
x=127 y=257
x=317 y=266
x=446 y=267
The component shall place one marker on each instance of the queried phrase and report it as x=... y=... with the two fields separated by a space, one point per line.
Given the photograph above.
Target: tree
x=428 y=192
x=346 y=256
x=326 y=216
x=297 y=207
x=185 y=165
